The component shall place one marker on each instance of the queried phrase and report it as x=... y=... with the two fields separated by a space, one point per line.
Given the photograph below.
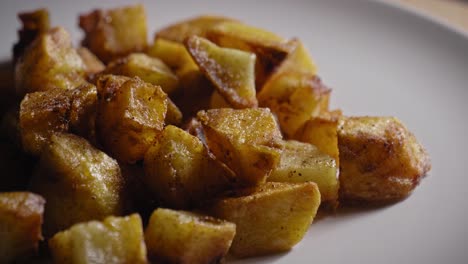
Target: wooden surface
x=452 y=11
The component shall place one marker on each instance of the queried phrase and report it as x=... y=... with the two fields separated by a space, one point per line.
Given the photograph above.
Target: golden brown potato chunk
x=93 y=64
x=49 y=62
x=20 y=225
x=130 y=114
x=270 y=48
x=303 y=162
x=34 y=23
x=272 y=219
x=380 y=160
x=294 y=97
x=79 y=182
x=184 y=237
x=195 y=26
x=57 y=110
x=231 y=71
x=321 y=131
x=173 y=54
x=117 y=240
x=179 y=169
x=173 y=116
x=41 y=115
x=148 y=69
x=248 y=141
x=115 y=32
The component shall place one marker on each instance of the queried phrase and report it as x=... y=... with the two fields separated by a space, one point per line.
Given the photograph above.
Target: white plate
x=380 y=59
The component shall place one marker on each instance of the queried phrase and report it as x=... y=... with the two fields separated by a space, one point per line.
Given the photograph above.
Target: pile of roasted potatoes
x=214 y=139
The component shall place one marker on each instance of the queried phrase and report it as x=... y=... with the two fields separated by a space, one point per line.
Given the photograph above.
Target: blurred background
x=452 y=11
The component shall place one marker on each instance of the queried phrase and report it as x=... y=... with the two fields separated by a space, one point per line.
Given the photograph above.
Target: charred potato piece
x=79 y=182
x=148 y=69
x=380 y=160
x=57 y=110
x=231 y=71
x=114 y=33
x=34 y=24
x=303 y=162
x=247 y=141
x=173 y=54
x=195 y=26
x=294 y=97
x=270 y=48
x=272 y=219
x=20 y=225
x=118 y=240
x=185 y=237
x=49 y=62
x=130 y=114
x=321 y=131
x=93 y=64
x=41 y=115
x=179 y=169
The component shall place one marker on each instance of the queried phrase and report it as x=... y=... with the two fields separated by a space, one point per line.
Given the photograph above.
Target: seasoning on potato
x=215 y=140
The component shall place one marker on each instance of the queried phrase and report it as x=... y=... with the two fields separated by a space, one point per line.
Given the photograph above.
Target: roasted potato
x=321 y=131
x=148 y=69
x=79 y=182
x=231 y=71
x=294 y=97
x=49 y=62
x=181 y=172
x=34 y=23
x=247 y=141
x=380 y=160
x=272 y=219
x=303 y=162
x=93 y=64
x=185 y=237
x=130 y=113
x=117 y=240
x=173 y=116
x=198 y=26
x=44 y=113
x=217 y=101
x=114 y=33
x=270 y=48
x=20 y=225
x=173 y=54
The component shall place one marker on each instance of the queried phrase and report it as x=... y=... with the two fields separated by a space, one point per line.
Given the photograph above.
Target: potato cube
x=185 y=237
x=50 y=62
x=380 y=160
x=34 y=23
x=270 y=48
x=180 y=171
x=173 y=54
x=93 y=64
x=294 y=97
x=148 y=69
x=79 y=182
x=195 y=26
x=303 y=162
x=20 y=225
x=130 y=114
x=231 y=71
x=41 y=115
x=247 y=141
x=321 y=131
x=117 y=240
x=114 y=33
x=270 y=220
x=57 y=110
